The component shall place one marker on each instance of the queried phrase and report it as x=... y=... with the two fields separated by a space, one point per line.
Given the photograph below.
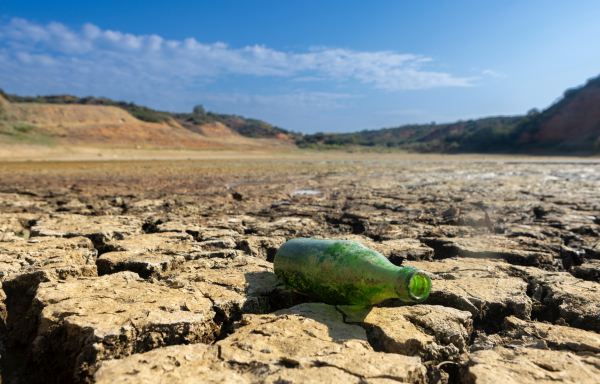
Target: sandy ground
x=21 y=153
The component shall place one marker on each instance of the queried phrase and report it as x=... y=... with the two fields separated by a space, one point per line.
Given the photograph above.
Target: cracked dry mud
x=161 y=272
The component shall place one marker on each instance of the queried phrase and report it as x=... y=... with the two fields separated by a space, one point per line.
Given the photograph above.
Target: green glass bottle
x=347 y=272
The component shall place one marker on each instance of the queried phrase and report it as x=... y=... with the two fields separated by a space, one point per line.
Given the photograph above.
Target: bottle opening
x=419 y=286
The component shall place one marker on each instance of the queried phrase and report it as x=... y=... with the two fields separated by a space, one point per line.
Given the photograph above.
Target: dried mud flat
x=161 y=271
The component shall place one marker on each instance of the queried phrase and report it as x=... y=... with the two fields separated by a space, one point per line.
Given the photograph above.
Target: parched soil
x=161 y=271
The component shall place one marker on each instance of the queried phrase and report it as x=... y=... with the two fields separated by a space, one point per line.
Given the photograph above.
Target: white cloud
x=92 y=54
x=492 y=73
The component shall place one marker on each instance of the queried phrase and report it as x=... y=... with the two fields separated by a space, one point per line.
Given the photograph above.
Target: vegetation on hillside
x=502 y=134
x=488 y=135
x=531 y=125
x=460 y=136
x=482 y=135
x=14 y=131
x=245 y=127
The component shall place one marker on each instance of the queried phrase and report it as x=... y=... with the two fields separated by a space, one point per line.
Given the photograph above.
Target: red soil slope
x=104 y=126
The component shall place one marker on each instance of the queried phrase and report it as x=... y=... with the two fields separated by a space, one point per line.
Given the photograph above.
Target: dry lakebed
x=161 y=271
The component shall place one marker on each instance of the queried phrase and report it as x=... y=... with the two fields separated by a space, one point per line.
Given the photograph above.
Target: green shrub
x=146 y=116
x=199 y=110
x=23 y=128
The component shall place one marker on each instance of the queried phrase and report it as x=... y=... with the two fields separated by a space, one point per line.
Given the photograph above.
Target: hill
x=100 y=124
x=420 y=138
x=192 y=121
x=572 y=125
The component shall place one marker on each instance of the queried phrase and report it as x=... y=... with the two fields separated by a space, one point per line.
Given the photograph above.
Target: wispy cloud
x=492 y=73
x=91 y=58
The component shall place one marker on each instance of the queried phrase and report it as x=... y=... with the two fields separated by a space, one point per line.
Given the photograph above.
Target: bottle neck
x=412 y=284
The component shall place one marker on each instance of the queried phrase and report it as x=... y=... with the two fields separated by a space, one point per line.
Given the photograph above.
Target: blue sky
x=309 y=66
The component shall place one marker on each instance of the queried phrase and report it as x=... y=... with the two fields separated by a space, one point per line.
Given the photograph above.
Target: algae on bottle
x=347 y=272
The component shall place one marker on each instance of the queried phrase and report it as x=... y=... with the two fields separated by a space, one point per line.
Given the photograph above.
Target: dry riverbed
x=161 y=271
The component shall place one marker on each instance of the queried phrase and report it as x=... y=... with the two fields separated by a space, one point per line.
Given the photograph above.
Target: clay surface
x=85 y=321
x=161 y=271
x=529 y=365
x=306 y=343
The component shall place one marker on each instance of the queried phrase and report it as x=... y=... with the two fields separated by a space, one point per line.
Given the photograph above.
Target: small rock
x=24 y=265
x=529 y=365
x=483 y=342
x=560 y=295
x=235 y=286
x=147 y=265
x=217 y=244
x=263 y=248
x=429 y=331
x=148 y=255
x=100 y=229
x=555 y=336
x=155 y=242
x=589 y=270
x=479 y=286
x=488 y=247
x=16 y=222
x=85 y=321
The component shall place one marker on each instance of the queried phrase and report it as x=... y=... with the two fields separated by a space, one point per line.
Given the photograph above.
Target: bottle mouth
x=418 y=286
